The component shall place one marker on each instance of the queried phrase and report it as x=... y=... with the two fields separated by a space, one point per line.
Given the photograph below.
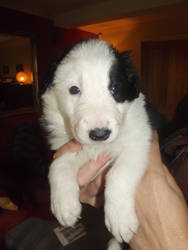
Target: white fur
x=72 y=116
x=114 y=245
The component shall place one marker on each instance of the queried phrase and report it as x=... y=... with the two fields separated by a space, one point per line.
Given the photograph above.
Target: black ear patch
x=49 y=76
x=123 y=78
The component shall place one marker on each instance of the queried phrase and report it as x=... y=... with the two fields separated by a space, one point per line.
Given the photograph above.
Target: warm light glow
x=21 y=77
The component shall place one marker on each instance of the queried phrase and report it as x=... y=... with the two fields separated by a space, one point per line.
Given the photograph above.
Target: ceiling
x=74 y=13
x=121 y=25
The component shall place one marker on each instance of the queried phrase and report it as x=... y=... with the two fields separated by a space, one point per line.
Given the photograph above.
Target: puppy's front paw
x=65 y=206
x=120 y=218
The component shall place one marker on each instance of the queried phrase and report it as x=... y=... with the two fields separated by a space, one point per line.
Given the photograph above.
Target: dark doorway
x=165 y=74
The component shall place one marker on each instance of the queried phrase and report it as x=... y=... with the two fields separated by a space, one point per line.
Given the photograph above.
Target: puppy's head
x=94 y=85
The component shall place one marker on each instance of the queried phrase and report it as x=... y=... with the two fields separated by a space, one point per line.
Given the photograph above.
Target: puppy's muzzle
x=99 y=134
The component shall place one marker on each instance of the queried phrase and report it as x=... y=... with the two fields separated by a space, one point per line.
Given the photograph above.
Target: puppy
x=92 y=95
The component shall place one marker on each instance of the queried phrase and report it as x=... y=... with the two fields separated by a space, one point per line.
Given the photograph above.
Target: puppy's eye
x=74 y=90
x=113 y=88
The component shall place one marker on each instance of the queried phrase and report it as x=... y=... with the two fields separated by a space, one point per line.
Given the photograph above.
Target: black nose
x=99 y=134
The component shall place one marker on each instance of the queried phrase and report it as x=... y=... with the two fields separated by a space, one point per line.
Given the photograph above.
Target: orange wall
x=172 y=25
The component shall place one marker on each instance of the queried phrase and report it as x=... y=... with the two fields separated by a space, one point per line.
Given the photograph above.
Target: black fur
x=157 y=121
x=49 y=77
x=123 y=78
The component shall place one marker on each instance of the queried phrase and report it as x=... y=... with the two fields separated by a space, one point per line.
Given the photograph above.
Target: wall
x=128 y=34
x=49 y=39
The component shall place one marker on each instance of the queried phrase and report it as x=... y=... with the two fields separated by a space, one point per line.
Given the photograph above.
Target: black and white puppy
x=93 y=97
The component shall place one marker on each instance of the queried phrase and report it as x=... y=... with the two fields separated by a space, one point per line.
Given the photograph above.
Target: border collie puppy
x=93 y=97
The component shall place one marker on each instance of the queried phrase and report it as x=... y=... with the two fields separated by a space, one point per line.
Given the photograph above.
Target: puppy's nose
x=99 y=134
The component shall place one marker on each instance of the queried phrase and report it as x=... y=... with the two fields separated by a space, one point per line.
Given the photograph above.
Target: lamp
x=21 y=77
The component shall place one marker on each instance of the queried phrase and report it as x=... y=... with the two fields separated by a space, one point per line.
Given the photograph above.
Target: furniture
x=14 y=96
x=37 y=234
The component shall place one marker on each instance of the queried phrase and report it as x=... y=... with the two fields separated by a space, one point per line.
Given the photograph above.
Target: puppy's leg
x=113 y=244
x=121 y=183
x=64 y=189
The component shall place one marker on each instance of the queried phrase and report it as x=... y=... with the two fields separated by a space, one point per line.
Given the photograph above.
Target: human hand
x=160 y=205
x=161 y=208
x=91 y=192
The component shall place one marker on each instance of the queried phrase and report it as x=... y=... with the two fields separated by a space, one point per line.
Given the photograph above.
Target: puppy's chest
x=92 y=152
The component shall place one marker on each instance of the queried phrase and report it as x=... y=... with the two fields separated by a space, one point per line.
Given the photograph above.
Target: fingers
x=93 y=200
x=69 y=147
x=90 y=191
x=93 y=193
x=90 y=169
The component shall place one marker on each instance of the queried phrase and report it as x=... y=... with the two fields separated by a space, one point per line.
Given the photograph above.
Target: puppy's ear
x=49 y=76
x=126 y=54
x=131 y=72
